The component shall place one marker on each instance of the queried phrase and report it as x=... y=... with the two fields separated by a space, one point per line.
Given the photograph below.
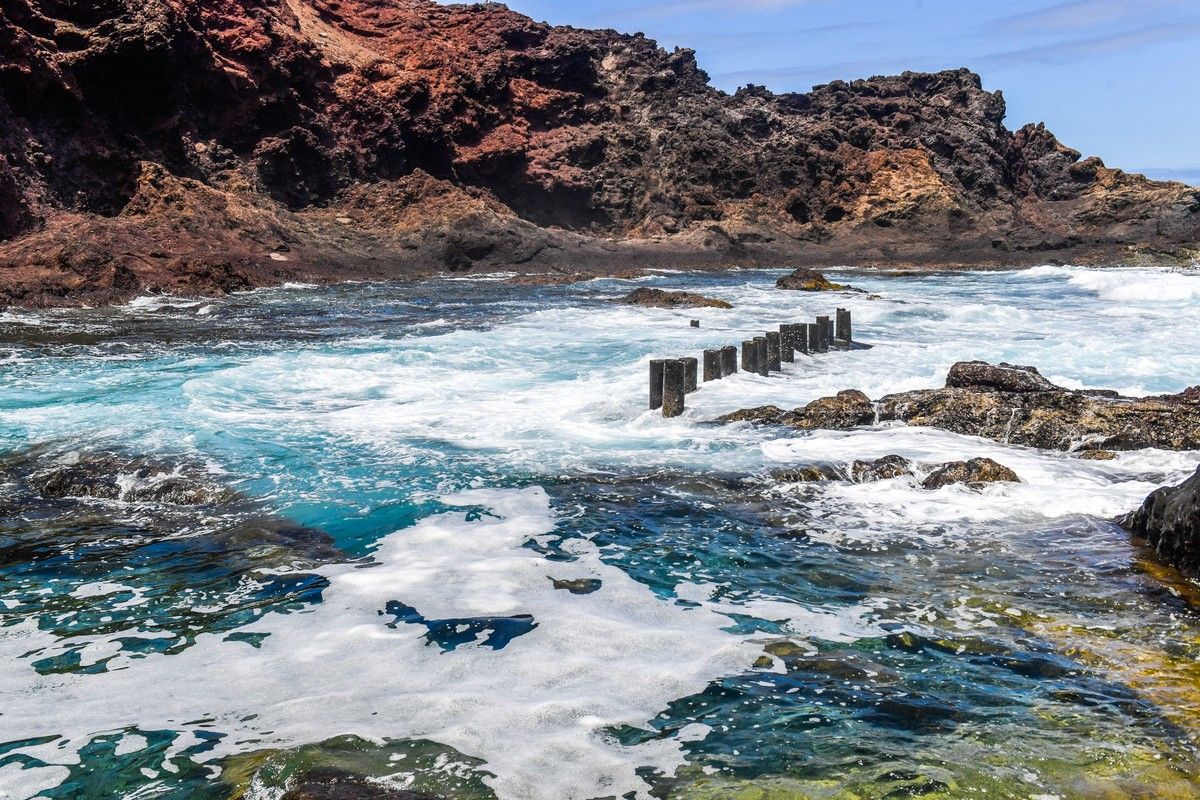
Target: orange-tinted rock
x=159 y=143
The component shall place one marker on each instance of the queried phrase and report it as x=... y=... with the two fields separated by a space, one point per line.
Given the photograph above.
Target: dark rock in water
x=327 y=783
x=849 y=408
x=809 y=280
x=975 y=472
x=577 y=585
x=809 y=473
x=110 y=476
x=1013 y=405
x=1098 y=455
x=999 y=377
x=659 y=298
x=1169 y=521
x=760 y=415
x=880 y=469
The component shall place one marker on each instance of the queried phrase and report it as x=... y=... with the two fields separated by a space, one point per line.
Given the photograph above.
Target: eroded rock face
x=1013 y=405
x=660 y=298
x=974 y=473
x=1169 y=521
x=158 y=145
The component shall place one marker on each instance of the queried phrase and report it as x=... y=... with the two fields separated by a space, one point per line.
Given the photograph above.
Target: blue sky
x=1114 y=78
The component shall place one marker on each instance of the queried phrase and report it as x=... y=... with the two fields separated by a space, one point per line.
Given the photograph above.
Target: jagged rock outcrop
x=1010 y=404
x=165 y=145
x=1169 y=521
x=810 y=280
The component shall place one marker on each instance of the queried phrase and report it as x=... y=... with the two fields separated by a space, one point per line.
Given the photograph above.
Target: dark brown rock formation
x=151 y=145
x=1010 y=404
x=659 y=298
x=881 y=469
x=810 y=280
x=1169 y=521
x=974 y=473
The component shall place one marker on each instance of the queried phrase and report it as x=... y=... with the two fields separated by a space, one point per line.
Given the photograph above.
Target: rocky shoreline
x=305 y=140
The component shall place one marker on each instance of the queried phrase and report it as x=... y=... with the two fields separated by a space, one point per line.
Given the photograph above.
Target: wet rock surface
x=328 y=783
x=164 y=146
x=881 y=469
x=1169 y=522
x=660 y=298
x=810 y=280
x=974 y=473
x=1012 y=405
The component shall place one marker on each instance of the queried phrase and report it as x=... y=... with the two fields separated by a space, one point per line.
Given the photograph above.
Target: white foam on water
x=536 y=710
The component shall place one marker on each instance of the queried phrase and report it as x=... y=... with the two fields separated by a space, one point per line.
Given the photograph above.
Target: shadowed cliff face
x=178 y=144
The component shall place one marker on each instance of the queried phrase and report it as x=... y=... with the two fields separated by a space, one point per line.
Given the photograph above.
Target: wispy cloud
x=1063 y=52
x=1077 y=15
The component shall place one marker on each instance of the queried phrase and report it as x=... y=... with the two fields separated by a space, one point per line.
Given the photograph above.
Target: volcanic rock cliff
x=210 y=145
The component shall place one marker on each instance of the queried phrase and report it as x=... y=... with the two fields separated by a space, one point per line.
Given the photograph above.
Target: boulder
x=1000 y=377
x=973 y=473
x=880 y=469
x=849 y=408
x=660 y=298
x=809 y=280
x=1169 y=521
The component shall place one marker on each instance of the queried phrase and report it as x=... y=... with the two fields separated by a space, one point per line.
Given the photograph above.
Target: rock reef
x=1009 y=404
x=159 y=146
x=660 y=298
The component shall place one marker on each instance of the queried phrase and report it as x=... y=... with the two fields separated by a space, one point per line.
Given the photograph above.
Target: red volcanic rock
x=178 y=144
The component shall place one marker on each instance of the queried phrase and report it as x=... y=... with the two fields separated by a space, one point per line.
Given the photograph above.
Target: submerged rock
x=1013 y=405
x=809 y=473
x=660 y=298
x=110 y=476
x=1169 y=521
x=335 y=784
x=974 y=472
x=809 y=280
x=577 y=585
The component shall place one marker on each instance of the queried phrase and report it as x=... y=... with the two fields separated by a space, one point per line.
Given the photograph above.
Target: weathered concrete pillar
x=762 y=360
x=712 y=365
x=728 y=361
x=749 y=356
x=773 y=355
x=787 y=343
x=695 y=323
x=823 y=333
x=842 y=333
x=814 y=337
x=674 y=375
x=691 y=368
x=656 y=382
x=801 y=337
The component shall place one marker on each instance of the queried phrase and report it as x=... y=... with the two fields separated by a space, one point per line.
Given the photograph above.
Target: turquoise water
x=397 y=474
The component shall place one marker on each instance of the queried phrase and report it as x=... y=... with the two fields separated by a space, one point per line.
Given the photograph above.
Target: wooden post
x=712 y=365
x=814 y=337
x=774 y=345
x=656 y=382
x=749 y=356
x=695 y=323
x=674 y=375
x=728 y=361
x=762 y=359
x=691 y=367
x=843 y=326
x=787 y=343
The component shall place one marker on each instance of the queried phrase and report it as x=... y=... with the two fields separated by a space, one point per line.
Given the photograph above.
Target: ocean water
x=412 y=472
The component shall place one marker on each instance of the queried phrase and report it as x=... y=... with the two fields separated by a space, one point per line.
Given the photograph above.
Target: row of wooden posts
x=671 y=379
